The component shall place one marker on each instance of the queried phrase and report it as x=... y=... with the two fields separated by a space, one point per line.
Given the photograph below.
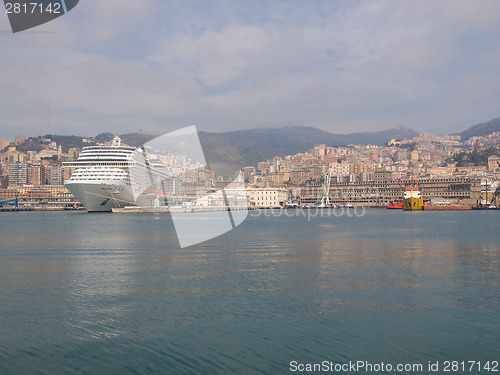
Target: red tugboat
x=395 y=206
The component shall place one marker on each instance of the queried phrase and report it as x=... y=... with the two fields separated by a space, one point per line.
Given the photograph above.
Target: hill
x=482 y=129
x=248 y=147
x=40 y=143
x=475 y=158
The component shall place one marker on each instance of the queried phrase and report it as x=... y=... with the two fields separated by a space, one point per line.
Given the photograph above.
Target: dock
x=172 y=209
x=448 y=208
x=140 y=210
x=15 y=209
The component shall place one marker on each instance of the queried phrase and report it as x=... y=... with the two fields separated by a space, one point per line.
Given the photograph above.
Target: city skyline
x=337 y=66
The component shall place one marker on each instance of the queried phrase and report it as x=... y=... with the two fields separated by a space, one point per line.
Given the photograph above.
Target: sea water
x=114 y=294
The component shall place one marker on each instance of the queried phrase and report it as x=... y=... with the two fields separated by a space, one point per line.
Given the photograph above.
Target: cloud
x=226 y=65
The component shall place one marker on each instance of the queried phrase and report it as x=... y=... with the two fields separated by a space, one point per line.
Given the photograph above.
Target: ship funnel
x=116 y=141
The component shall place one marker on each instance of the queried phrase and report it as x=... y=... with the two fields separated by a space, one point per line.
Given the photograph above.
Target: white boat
x=106 y=177
x=292 y=204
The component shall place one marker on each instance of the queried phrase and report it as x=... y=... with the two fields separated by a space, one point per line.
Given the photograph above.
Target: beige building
x=471 y=168
x=414 y=155
x=266 y=197
x=339 y=169
x=493 y=162
x=299 y=176
x=281 y=178
x=29 y=193
x=439 y=170
x=13 y=156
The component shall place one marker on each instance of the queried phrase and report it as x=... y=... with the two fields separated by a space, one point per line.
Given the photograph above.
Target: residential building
x=18 y=174
x=493 y=162
x=55 y=175
x=36 y=174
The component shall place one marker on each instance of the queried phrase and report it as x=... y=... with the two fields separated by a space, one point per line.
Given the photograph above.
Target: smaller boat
x=292 y=204
x=395 y=206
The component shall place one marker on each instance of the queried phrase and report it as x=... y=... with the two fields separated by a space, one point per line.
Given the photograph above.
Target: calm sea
x=114 y=294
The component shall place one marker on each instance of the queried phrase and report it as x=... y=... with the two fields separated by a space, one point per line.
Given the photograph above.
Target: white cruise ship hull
x=101 y=197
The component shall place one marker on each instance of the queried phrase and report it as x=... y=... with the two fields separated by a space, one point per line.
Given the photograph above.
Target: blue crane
x=15 y=200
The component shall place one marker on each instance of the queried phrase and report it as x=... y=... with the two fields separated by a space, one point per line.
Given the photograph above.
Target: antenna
x=140 y=127
x=48 y=117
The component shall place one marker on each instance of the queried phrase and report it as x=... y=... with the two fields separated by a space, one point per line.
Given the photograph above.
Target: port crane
x=324 y=200
x=15 y=200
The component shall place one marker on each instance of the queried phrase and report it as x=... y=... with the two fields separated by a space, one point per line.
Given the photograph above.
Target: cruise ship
x=105 y=177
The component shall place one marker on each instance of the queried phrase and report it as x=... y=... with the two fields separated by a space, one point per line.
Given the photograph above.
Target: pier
x=173 y=209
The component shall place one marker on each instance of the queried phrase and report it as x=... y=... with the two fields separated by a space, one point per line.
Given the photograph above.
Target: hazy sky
x=342 y=66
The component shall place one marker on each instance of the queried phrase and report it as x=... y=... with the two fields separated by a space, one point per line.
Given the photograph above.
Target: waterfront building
x=10 y=192
x=234 y=198
x=35 y=195
x=266 y=197
x=381 y=193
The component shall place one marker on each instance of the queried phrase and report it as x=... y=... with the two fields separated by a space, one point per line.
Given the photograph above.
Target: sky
x=340 y=66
